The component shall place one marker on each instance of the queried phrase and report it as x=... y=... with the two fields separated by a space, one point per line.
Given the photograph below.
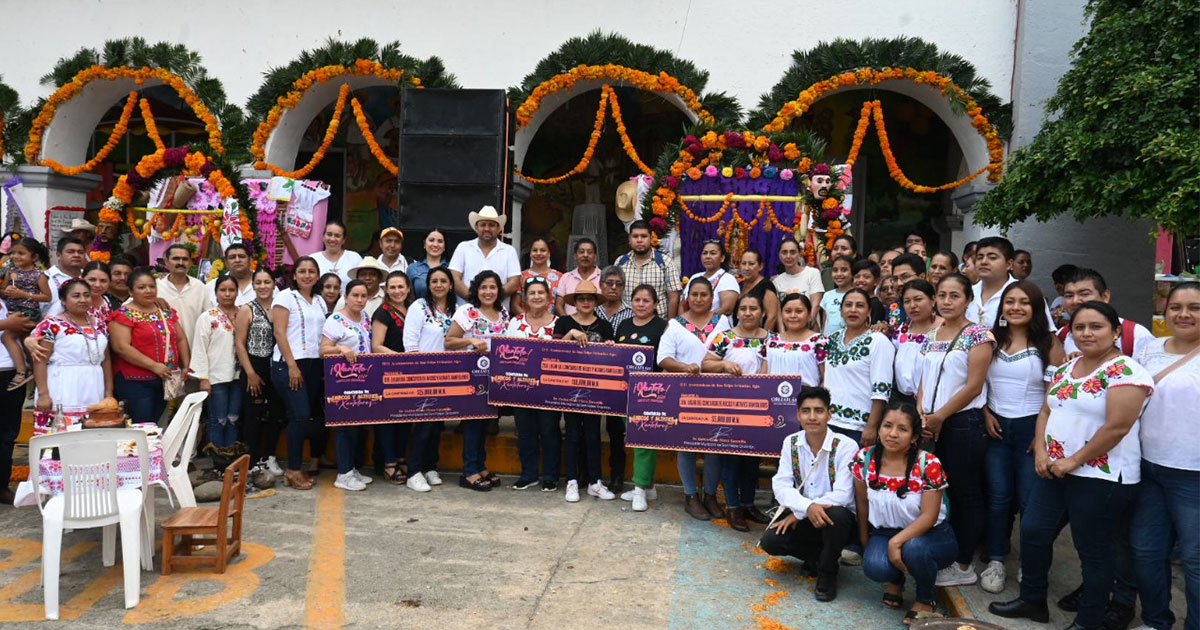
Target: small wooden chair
x=209 y=525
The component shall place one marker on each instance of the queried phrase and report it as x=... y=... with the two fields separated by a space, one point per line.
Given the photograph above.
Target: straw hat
x=627 y=195
x=487 y=213
x=370 y=262
x=79 y=224
x=583 y=288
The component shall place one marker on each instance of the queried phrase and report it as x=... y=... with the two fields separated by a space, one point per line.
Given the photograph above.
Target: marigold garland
x=661 y=82
x=114 y=138
x=871 y=76
x=33 y=148
x=151 y=125
x=330 y=134
x=582 y=165
x=193 y=163
x=626 y=143
x=376 y=150
x=324 y=74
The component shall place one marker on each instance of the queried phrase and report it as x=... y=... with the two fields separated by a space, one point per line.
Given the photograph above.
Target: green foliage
x=844 y=55
x=278 y=81
x=135 y=52
x=599 y=49
x=1121 y=132
x=10 y=108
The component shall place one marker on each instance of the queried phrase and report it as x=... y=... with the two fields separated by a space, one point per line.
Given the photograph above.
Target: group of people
x=941 y=397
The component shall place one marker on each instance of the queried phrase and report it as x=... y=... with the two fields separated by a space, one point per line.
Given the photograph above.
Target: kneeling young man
x=815 y=491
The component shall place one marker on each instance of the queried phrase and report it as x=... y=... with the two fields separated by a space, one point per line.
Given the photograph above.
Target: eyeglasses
x=711 y=241
x=532 y=279
x=613 y=283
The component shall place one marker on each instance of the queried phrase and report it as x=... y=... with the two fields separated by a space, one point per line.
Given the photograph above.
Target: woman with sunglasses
x=722 y=284
x=584 y=327
x=537 y=429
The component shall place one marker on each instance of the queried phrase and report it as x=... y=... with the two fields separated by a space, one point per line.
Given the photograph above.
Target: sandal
x=19 y=380
x=395 y=474
x=297 y=479
x=492 y=479
x=479 y=485
x=892 y=600
x=918 y=615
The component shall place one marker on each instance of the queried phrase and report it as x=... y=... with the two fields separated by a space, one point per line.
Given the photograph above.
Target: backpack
x=627 y=256
x=1128 y=326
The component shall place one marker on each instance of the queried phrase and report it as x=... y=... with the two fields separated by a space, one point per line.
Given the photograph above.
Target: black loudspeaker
x=454 y=159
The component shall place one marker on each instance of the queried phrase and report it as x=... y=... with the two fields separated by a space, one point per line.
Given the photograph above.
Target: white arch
x=283 y=144
x=524 y=136
x=66 y=139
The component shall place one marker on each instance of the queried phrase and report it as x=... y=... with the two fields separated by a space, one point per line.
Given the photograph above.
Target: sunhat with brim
x=487 y=213
x=368 y=263
x=583 y=288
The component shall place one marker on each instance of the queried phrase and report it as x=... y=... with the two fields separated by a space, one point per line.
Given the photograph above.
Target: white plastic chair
x=179 y=441
x=91 y=498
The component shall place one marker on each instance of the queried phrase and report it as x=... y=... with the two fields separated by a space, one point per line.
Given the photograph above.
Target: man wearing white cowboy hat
x=371 y=272
x=486 y=252
x=82 y=230
x=391 y=240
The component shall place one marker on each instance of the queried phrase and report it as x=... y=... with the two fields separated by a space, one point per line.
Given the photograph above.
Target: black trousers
x=819 y=545
x=10 y=422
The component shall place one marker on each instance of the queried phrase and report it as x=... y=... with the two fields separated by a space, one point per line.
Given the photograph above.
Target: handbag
x=173 y=384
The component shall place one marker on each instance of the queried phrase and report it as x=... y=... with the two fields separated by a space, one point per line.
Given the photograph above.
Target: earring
x=1003 y=322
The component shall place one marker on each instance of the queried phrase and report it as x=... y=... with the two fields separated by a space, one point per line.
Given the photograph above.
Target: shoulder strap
x=937 y=382
x=1176 y=365
x=1128 y=329
x=833 y=461
x=1063 y=332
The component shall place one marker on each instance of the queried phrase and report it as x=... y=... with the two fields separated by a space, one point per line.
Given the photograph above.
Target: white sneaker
x=992 y=578
x=601 y=492
x=651 y=494
x=850 y=558
x=363 y=479
x=639 y=499
x=433 y=478
x=347 y=481
x=417 y=482
x=954 y=576
x=572 y=494
x=273 y=466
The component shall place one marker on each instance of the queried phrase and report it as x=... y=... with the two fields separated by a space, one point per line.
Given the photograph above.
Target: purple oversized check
x=409 y=387
x=712 y=413
x=564 y=376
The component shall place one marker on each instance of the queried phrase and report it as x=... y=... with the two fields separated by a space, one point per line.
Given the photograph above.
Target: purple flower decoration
x=137 y=181
x=734 y=140
x=659 y=225
x=695 y=149
x=691 y=140
x=711 y=171
x=174 y=157
x=208 y=168
x=832 y=213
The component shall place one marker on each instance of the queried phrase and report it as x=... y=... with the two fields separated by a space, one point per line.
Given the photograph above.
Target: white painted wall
x=487 y=44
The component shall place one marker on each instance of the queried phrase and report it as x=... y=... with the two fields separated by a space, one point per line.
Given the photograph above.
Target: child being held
x=24 y=287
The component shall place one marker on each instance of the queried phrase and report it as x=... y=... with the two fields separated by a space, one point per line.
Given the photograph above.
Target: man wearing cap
x=391 y=240
x=372 y=273
x=82 y=230
x=485 y=252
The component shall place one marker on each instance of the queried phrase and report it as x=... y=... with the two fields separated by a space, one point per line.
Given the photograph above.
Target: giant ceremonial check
x=739 y=415
x=564 y=376
x=409 y=387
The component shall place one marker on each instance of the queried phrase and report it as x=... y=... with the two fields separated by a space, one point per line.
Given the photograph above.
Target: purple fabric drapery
x=692 y=233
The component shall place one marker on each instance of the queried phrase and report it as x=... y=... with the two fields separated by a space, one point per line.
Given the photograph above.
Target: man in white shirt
x=1086 y=285
x=187 y=295
x=372 y=273
x=237 y=264
x=391 y=241
x=815 y=491
x=993 y=263
x=485 y=252
x=72 y=257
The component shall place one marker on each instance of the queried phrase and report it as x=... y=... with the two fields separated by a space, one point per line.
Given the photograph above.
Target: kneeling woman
x=901 y=515
x=471 y=328
x=347 y=333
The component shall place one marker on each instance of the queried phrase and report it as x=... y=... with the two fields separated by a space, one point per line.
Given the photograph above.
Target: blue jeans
x=583 y=430
x=687 y=472
x=962 y=447
x=346 y=443
x=1167 y=508
x=1010 y=475
x=538 y=434
x=923 y=556
x=224 y=408
x=1094 y=508
x=424 y=441
x=739 y=474
x=474 y=446
x=389 y=439
x=143 y=398
x=300 y=405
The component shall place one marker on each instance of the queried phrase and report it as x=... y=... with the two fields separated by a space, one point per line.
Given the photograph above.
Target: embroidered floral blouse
x=885 y=507
x=213 y=357
x=155 y=335
x=908 y=358
x=520 y=327
x=748 y=352
x=1079 y=407
x=349 y=334
x=802 y=357
x=952 y=364
x=856 y=374
x=476 y=326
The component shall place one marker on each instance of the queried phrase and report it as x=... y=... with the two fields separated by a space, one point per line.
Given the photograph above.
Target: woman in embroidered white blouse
x=347 y=333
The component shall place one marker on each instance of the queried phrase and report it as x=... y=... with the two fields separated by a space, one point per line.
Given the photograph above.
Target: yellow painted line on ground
x=325 y=603
x=955 y=603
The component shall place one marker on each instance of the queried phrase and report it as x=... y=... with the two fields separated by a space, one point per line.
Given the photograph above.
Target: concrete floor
x=453 y=558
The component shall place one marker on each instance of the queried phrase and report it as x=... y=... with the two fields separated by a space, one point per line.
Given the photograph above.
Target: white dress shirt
x=796 y=494
x=469 y=260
